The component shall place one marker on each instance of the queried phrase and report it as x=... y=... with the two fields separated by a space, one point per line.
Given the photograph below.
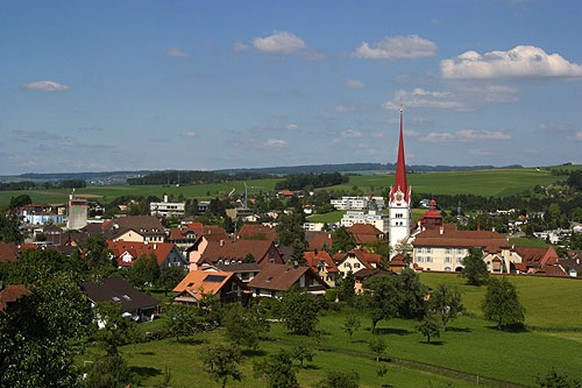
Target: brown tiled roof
x=365 y=233
x=11 y=293
x=237 y=268
x=366 y=273
x=552 y=270
x=8 y=252
x=369 y=260
x=281 y=277
x=117 y=289
x=177 y=234
x=237 y=250
x=319 y=240
x=254 y=230
x=197 y=283
x=491 y=242
x=315 y=258
x=398 y=260
x=537 y=257
x=138 y=249
x=145 y=225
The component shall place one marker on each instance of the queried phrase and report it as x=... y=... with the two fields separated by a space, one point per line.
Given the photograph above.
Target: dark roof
x=117 y=289
x=280 y=277
x=238 y=268
x=145 y=225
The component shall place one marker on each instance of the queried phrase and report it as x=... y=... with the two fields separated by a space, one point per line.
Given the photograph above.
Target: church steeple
x=400 y=183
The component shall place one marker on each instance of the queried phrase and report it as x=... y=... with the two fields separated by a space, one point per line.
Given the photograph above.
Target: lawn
x=529 y=242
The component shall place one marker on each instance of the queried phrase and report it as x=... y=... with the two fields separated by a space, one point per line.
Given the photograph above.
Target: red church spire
x=400 y=183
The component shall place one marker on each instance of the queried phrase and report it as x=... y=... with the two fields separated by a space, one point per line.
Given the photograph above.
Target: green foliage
x=182 y=321
x=302 y=353
x=35 y=346
x=380 y=299
x=298 y=311
x=339 y=379
x=298 y=255
x=377 y=346
x=343 y=240
x=9 y=228
x=145 y=272
x=411 y=302
x=429 y=327
x=347 y=290
x=555 y=379
x=575 y=180
x=170 y=276
x=475 y=268
x=110 y=370
x=351 y=325
x=36 y=264
x=222 y=362
x=19 y=201
x=244 y=326
x=290 y=228
x=501 y=304
x=298 y=182
x=96 y=258
x=445 y=302
x=117 y=330
x=278 y=370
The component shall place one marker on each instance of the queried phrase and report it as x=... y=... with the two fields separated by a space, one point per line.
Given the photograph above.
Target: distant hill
x=120 y=177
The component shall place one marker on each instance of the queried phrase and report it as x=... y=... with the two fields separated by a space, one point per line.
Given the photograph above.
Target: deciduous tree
x=222 y=361
x=278 y=370
x=244 y=325
x=474 y=268
x=502 y=304
x=429 y=327
x=298 y=311
x=445 y=302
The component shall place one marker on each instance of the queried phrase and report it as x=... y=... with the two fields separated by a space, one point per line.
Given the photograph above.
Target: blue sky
x=124 y=85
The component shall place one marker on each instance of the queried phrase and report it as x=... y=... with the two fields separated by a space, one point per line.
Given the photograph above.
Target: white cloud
x=351 y=134
x=420 y=98
x=463 y=136
x=281 y=43
x=190 y=134
x=274 y=143
x=46 y=86
x=176 y=53
x=355 y=84
x=344 y=109
x=397 y=47
x=578 y=136
x=521 y=61
x=238 y=47
x=554 y=127
x=291 y=127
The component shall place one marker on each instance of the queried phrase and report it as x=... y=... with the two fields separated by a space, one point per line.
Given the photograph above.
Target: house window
x=459 y=251
x=447 y=259
x=459 y=260
x=356 y=265
x=449 y=250
x=420 y=259
x=429 y=259
x=272 y=260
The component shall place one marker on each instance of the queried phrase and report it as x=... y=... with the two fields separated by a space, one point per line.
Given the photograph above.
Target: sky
x=114 y=85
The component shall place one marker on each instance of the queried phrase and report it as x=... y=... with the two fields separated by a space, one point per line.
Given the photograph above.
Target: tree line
x=302 y=181
x=193 y=177
x=30 y=185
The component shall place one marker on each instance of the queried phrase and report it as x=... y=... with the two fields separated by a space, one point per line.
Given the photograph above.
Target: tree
x=347 y=289
x=35 y=340
x=445 y=302
x=244 y=326
x=501 y=304
x=290 y=229
x=377 y=346
x=343 y=240
x=115 y=330
x=144 y=272
x=96 y=257
x=221 y=362
x=182 y=321
x=351 y=325
x=405 y=249
x=380 y=299
x=298 y=311
x=298 y=255
x=411 y=302
x=170 y=276
x=338 y=379
x=555 y=379
x=474 y=268
x=19 y=201
x=278 y=370
x=9 y=228
x=429 y=327
x=302 y=353
x=110 y=371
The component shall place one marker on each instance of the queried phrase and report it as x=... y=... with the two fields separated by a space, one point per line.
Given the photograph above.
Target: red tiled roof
x=238 y=250
x=138 y=249
x=254 y=230
x=8 y=252
x=537 y=257
x=491 y=242
x=314 y=258
x=281 y=277
x=11 y=293
x=197 y=283
x=552 y=270
x=365 y=233
x=319 y=240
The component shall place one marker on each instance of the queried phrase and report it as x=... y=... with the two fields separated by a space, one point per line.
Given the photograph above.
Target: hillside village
x=249 y=255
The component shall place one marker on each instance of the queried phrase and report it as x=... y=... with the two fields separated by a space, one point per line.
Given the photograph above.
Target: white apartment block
x=167 y=209
x=378 y=219
x=358 y=203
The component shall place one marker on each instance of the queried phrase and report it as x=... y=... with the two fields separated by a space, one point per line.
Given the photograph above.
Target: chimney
x=442 y=230
x=295 y=264
x=155 y=246
x=165 y=198
x=221 y=243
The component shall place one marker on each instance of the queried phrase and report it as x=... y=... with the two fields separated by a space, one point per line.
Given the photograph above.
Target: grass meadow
x=471 y=352
x=485 y=182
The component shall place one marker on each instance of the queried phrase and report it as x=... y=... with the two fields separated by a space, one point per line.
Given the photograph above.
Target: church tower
x=399 y=200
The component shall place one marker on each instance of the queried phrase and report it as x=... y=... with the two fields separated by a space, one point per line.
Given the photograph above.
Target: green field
x=486 y=183
x=470 y=350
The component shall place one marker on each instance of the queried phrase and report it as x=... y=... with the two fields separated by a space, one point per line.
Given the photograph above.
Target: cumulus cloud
x=46 y=86
x=176 y=53
x=355 y=84
x=521 y=61
x=281 y=43
x=274 y=143
x=420 y=98
x=190 y=134
x=397 y=47
x=463 y=136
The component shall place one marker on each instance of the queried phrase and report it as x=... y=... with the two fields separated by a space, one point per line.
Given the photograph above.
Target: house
x=196 y=284
x=373 y=217
x=126 y=253
x=134 y=304
x=319 y=240
x=182 y=236
x=366 y=233
x=10 y=294
x=398 y=263
x=322 y=264
x=244 y=271
x=432 y=218
x=213 y=250
x=167 y=208
x=138 y=229
x=534 y=259
x=258 y=232
x=355 y=260
x=276 y=279
x=11 y=251
x=444 y=249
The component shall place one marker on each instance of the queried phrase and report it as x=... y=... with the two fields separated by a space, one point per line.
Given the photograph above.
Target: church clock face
x=399 y=197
